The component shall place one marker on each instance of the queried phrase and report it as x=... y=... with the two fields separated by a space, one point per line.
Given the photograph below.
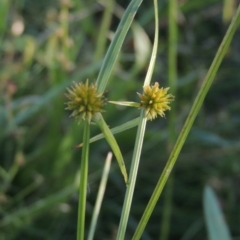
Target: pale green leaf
x=216 y=225
x=113 y=144
x=123 y=103
x=116 y=44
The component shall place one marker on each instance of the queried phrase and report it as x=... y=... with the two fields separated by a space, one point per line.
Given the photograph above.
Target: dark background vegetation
x=38 y=169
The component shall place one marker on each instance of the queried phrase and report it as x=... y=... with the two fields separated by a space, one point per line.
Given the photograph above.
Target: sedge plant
x=87 y=101
x=86 y=105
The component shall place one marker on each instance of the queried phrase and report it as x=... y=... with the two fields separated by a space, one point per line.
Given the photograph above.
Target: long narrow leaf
x=100 y=196
x=216 y=225
x=113 y=144
x=116 y=44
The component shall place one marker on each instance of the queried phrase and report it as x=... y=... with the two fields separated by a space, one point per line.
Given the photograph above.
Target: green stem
x=167 y=211
x=83 y=183
x=104 y=28
x=172 y=80
x=100 y=196
x=139 y=140
x=155 y=46
x=188 y=124
x=4 y=8
x=132 y=177
x=172 y=66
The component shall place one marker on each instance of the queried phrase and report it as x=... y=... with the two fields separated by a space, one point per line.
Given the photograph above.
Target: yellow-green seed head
x=155 y=101
x=84 y=101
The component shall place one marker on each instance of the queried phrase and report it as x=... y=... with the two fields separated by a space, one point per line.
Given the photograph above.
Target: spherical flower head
x=155 y=101
x=84 y=101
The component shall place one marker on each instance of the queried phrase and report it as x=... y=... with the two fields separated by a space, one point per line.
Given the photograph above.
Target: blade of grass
x=172 y=82
x=83 y=183
x=113 y=144
x=100 y=195
x=4 y=7
x=172 y=64
x=139 y=141
x=216 y=225
x=118 y=129
x=141 y=41
x=115 y=46
x=167 y=210
x=132 y=176
x=228 y=9
x=188 y=124
x=104 y=28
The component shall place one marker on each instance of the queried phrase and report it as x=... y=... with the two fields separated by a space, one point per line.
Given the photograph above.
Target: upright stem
x=172 y=81
x=104 y=28
x=100 y=196
x=172 y=66
x=139 y=140
x=83 y=183
x=132 y=177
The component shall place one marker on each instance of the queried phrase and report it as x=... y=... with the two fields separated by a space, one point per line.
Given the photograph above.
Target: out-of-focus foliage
x=216 y=225
x=44 y=46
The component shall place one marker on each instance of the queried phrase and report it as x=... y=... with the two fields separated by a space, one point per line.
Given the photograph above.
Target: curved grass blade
x=216 y=225
x=113 y=144
x=115 y=46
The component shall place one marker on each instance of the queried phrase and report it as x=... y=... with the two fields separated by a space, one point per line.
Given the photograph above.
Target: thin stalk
x=83 y=182
x=172 y=81
x=167 y=210
x=100 y=195
x=228 y=9
x=155 y=46
x=172 y=65
x=132 y=177
x=104 y=28
x=188 y=124
x=4 y=8
x=138 y=142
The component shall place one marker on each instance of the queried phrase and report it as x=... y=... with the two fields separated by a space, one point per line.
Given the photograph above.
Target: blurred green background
x=44 y=47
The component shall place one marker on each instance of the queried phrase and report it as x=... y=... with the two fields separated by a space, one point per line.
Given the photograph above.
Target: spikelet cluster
x=155 y=100
x=84 y=101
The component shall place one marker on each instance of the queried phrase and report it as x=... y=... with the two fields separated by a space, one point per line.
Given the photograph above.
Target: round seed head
x=84 y=101
x=155 y=100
